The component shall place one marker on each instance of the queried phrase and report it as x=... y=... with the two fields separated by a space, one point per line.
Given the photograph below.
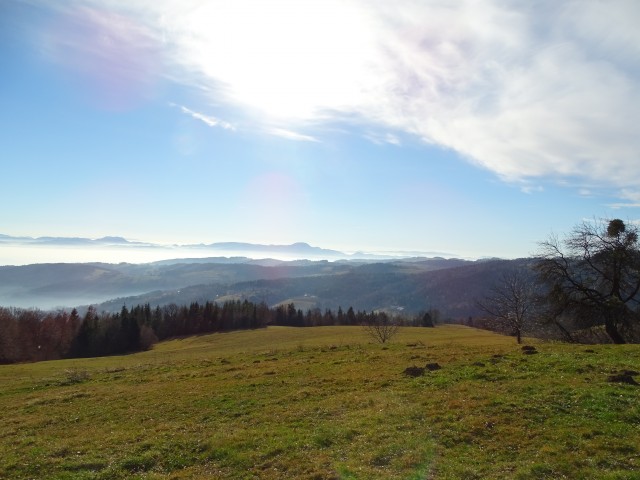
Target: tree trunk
x=612 y=331
x=564 y=332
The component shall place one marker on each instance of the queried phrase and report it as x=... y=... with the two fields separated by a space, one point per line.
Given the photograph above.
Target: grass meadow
x=326 y=403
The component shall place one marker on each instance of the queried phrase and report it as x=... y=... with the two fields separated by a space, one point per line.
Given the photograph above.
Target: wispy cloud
x=544 y=91
x=291 y=135
x=383 y=138
x=207 y=119
x=529 y=189
x=585 y=192
x=631 y=197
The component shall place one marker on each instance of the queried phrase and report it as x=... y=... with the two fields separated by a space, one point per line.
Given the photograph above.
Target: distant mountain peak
x=108 y=246
x=48 y=240
x=113 y=239
x=297 y=248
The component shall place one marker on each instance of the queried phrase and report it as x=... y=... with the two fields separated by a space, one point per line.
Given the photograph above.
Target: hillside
x=67 y=284
x=72 y=284
x=315 y=403
x=452 y=286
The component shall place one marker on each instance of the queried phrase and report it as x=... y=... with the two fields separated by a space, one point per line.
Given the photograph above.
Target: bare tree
x=380 y=327
x=511 y=302
x=593 y=277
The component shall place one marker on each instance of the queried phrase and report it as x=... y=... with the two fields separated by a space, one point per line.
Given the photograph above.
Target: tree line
x=34 y=335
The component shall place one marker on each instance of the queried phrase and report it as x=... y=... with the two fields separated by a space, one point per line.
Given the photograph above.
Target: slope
x=285 y=403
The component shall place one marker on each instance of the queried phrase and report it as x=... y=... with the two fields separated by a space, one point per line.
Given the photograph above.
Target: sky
x=473 y=128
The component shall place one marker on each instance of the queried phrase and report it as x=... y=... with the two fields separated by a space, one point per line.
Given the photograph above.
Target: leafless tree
x=381 y=327
x=593 y=277
x=511 y=302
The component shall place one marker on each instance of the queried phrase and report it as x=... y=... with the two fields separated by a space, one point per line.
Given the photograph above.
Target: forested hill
x=71 y=284
x=400 y=287
x=408 y=285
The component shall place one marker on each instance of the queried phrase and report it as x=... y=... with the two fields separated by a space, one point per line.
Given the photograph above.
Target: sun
x=287 y=59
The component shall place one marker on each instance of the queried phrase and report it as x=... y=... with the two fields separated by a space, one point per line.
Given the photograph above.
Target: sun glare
x=286 y=58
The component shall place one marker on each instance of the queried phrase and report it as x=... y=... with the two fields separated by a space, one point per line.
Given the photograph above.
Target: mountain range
x=400 y=284
x=299 y=250
x=70 y=241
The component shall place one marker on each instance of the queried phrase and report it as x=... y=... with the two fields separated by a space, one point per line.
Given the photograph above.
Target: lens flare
x=109 y=57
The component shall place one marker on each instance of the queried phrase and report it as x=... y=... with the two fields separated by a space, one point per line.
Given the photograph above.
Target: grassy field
x=323 y=403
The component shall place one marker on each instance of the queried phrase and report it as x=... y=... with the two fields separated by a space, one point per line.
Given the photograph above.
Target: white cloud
x=524 y=103
x=383 y=138
x=207 y=119
x=291 y=135
x=544 y=90
x=529 y=189
x=631 y=197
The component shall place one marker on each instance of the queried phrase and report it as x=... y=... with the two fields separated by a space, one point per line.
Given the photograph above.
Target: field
x=326 y=402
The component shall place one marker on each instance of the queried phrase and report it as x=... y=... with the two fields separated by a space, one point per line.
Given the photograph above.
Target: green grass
x=323 y=403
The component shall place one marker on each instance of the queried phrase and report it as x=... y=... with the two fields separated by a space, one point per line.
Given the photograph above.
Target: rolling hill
x=407 y=285
x=453 y=287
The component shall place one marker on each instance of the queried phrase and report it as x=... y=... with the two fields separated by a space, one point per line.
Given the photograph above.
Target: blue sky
x=473 y=128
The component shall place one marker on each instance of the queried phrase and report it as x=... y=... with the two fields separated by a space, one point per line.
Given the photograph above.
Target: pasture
x=326 y=403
